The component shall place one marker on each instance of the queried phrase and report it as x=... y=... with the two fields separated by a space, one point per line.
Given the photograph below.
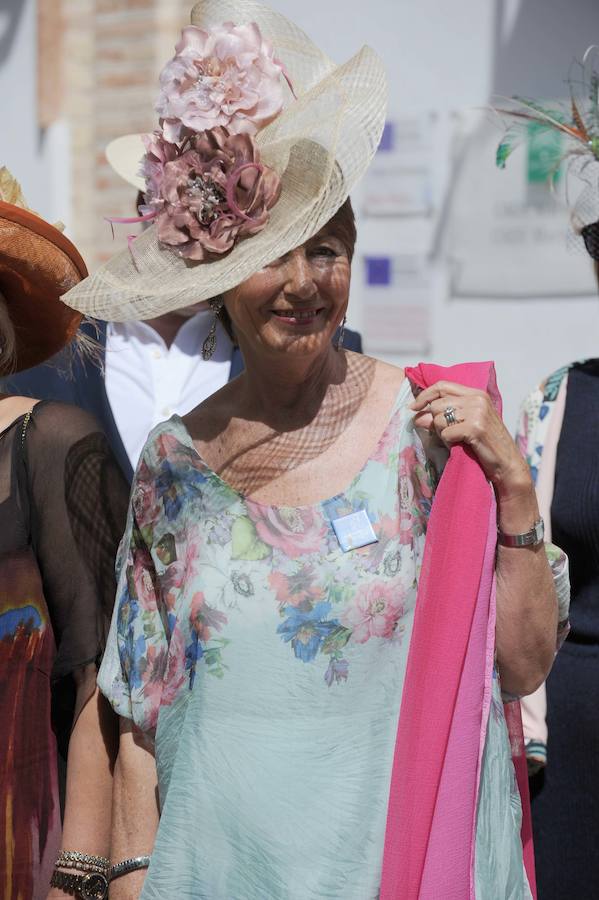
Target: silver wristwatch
x=527 y=539
x=92 y=886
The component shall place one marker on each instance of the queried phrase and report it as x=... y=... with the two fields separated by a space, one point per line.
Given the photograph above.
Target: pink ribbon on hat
x=130 y=220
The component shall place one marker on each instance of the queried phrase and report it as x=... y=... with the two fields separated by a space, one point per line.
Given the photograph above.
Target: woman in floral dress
x=262 y=663
x=268 y=625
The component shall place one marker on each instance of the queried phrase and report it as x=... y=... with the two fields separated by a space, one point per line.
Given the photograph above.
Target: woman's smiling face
x=295 y=304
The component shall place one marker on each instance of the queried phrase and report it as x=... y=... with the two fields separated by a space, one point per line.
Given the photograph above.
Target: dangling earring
x=340 y=336
x=209 y=345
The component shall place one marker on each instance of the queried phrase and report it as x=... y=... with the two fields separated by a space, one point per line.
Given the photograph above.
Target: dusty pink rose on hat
x=213 y=191
x=158 y=153
x=225 y=76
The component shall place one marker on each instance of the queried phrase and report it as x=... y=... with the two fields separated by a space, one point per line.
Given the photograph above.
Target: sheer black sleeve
x=78 y=506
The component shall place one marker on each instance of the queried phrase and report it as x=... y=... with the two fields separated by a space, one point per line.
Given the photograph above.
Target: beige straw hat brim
x=124 y=155
x=320 y=145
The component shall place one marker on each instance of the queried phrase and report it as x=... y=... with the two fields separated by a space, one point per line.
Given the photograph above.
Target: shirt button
x=166 y=411
x=156 y=354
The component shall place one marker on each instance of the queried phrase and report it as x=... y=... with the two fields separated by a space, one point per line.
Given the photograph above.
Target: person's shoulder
x=63 y=422
x=13 y=408
x=54 y=432
x=14 y=405
x=588 y=366
x=536 y=409
x=550 y=386
x=386 y=377
x=390 y=373
x=215 y=410
x=554 y=379
x=383 y=368
x=168 y=444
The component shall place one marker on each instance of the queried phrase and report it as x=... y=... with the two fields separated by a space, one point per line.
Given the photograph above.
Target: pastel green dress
x=268 y=664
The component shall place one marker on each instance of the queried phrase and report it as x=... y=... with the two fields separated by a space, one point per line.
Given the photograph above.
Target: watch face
x=94 y=887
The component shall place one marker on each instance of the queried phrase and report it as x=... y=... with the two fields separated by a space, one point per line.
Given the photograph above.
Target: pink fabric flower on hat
x=209 y=193
x=227 y=75
x=158 y=153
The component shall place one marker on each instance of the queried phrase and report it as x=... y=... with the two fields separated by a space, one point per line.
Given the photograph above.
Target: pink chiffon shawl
x=431 y=818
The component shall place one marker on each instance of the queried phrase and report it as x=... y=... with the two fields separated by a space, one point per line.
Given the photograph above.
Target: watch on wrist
x=529 y=538
x=92 y=886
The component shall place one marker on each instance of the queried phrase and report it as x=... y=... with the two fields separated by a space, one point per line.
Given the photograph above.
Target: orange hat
x=37 y=264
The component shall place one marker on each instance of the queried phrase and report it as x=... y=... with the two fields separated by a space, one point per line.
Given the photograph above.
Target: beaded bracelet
x=70 y=858
x=62 y=863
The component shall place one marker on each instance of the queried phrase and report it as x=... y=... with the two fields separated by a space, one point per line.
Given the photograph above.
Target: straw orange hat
x=37 y=264
x=261 y=138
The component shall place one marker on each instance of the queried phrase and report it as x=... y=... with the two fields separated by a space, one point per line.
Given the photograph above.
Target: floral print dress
x=268 y=666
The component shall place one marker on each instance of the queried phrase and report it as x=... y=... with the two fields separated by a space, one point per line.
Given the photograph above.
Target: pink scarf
x=431 y=818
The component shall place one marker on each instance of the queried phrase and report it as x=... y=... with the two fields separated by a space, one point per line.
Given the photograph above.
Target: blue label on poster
x=387 y=141
x=378 y=270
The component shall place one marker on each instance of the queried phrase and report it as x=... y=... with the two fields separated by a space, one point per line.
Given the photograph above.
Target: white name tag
x=354 y=531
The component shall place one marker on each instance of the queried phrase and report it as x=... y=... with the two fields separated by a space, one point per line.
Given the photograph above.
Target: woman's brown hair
x=8 y=342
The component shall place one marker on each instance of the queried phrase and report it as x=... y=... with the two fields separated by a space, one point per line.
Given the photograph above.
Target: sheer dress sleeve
x=77 y=508
x=135 y=664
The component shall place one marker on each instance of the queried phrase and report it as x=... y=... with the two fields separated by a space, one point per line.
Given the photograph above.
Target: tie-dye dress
x=268 y=666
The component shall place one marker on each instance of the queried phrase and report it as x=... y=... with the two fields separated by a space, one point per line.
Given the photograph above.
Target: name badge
x=354 y=530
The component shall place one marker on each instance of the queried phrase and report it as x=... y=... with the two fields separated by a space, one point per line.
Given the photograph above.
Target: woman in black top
x=62 y=505
x=559 y=434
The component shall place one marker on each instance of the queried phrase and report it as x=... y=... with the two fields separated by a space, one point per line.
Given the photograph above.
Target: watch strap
x=529 y=538
x=91 y=886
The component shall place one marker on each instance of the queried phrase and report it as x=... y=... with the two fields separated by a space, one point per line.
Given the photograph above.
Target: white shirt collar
x=146 y=381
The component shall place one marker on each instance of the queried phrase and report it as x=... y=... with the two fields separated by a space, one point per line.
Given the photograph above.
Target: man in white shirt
x=155 y=369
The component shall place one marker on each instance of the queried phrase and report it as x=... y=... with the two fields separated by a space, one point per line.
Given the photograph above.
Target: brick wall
x=113 y=53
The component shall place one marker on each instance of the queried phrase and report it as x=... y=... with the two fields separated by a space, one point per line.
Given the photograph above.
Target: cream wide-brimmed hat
x=319 y=144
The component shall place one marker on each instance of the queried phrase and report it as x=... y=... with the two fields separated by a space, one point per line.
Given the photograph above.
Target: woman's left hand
x=478 y=425
x=526 y=601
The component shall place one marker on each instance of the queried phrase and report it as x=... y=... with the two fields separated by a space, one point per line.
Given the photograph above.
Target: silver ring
x=449 y=413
